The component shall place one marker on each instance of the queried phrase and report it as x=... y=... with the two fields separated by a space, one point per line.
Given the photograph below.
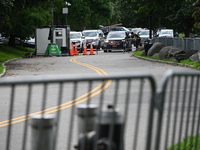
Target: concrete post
x=86 y=118
x=42 y=131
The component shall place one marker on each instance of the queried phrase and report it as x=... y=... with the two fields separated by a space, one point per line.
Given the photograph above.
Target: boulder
x=169 y=52
x=163 y=54
x=189 y=53
x=156 y=55
x=195 y=57
x=180 y=56
x=155 y=48
x=173 y=51
x=139 y=49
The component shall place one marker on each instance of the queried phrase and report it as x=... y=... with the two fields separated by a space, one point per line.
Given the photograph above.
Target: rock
x=173 y=51
x=189 y=53
x=195 y=57
x=180 y=56
x=156 y=47
x=163 y=54
x=169 y=52
x=156 y=55
x=139 y=49
x=143 y=53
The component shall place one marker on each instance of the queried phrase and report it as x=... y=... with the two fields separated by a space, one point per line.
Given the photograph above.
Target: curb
x=4 y=65
x=167 y=62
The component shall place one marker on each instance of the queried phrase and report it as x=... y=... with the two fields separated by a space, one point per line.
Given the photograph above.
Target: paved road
x=101 y=63
x=112 y=63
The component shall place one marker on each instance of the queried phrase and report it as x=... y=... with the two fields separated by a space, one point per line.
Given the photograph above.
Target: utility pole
x=52 y=22
x=150 y=24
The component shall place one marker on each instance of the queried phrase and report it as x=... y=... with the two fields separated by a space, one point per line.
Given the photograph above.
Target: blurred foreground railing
x=112 y=112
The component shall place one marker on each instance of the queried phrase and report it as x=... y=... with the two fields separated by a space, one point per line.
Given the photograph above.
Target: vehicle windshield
x=90 y=34
x=144 y=32
x=116 y=35
x=75 y=35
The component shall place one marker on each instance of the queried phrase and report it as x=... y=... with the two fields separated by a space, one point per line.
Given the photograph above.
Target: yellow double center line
x=98 y=89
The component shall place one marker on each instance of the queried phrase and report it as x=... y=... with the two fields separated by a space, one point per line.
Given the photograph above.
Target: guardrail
x=182 y=43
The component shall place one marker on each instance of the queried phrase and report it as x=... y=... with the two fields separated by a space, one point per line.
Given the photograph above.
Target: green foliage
x=21 y=17
x=175 y=14
x=192 y=63
x=196 y=12
x=189 y=143
x=137 y=53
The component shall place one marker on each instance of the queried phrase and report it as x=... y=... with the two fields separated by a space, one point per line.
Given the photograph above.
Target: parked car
x=137 y=30
x=29 y=42
x=78 y=39
x=165 y=33
x=94 y=37
x=118 y=40
x=144 y=35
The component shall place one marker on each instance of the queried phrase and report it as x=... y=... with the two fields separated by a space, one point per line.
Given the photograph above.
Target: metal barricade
x=50 y=112
x=178 y=105
x=115 y=112
x=182 y=43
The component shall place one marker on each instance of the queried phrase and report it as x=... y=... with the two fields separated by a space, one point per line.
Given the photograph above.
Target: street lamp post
x=52 y=22
x=65 y=11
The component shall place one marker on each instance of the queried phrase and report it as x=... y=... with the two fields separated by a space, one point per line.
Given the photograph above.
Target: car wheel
x=105 y=51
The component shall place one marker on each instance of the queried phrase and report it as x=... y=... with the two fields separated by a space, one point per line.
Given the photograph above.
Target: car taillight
x=111 y=42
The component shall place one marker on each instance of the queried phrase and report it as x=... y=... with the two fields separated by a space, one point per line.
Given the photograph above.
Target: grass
x=194 y=64
x=8 y=52
x=189 y=143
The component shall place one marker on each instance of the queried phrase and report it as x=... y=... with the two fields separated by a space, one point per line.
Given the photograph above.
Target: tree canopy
x=19 y=18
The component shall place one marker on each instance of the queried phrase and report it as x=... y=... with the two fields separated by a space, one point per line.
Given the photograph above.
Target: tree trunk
x=11 y=40
x=187 y=32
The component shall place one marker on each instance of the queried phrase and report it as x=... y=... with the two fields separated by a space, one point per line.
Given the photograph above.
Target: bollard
x=86 y=118
x=111 y=127
x=110 y=131
x=42 y=131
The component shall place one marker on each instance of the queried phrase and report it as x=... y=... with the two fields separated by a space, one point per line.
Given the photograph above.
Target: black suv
x=118 y=40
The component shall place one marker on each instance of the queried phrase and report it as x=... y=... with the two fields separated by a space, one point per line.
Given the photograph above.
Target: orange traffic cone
x=91 y=50
x=71 y=52
x=75 y=49
x=84 y=49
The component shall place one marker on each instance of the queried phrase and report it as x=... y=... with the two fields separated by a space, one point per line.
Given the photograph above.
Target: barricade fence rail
x=115 y=112
x=179 y=101
x=182 y=43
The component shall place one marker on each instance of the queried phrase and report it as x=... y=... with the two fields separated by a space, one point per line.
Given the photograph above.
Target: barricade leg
x=42 y=132
x=86 y=117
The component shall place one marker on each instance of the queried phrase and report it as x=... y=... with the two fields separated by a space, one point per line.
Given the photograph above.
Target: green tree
x=24 y=16
x=196 y=12
x=5 y=8
x=89 y=14
x=174 y=14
